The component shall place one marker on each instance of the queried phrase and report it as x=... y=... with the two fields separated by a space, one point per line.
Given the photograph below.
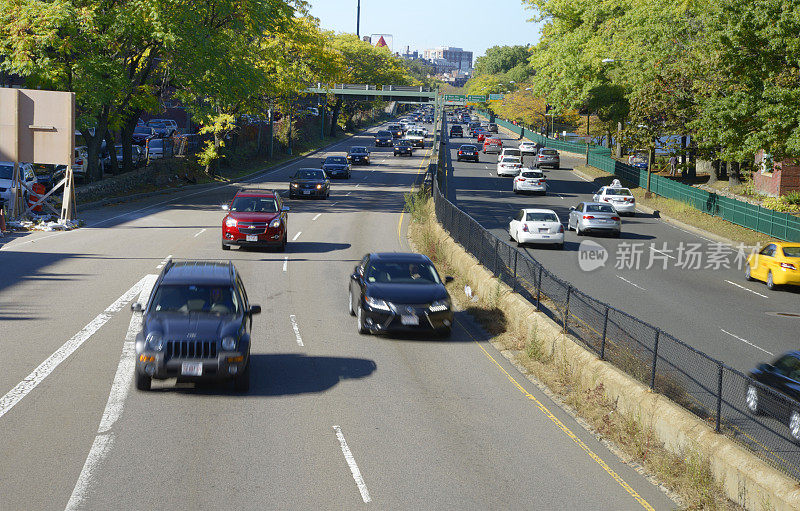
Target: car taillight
x=588 y=217
x=521 y=179
x=561 y=228
x=460 y=152
x=525 y=227
x=615 y=218
x=788 y=266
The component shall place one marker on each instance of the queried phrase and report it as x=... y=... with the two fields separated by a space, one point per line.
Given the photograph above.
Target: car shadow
x=302 y=247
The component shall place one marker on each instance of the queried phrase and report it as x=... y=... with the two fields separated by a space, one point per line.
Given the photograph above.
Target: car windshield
x=512 y=152
x=532 y=174
x=394 y=127
x=204 y=299
x=336 y=160
x=154 y=143
x=358 y=150
x=791 y=251
x=404 y=143
x=541 y=217
x=142 y=130
x=510 y=159
x=549 y=152
x=788 y=366
x=402 y=273
x=309 y=174
x=599 y=208
x=6 y=171
x=254 y=204
x=384 y=134
x=158 y=125
x=468 y=148
x=618 y=191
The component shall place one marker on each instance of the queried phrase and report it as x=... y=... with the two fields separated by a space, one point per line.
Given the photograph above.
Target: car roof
x=256 y=192
x=597 y=204
x=787 y=244
x=199 y=272
x=399 y=257
x=539 y=210
x=358 y=147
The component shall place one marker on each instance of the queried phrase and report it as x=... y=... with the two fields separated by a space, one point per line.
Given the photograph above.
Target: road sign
x=450 y=102
x=455 y=97
x=495 y=97
x=476 y=99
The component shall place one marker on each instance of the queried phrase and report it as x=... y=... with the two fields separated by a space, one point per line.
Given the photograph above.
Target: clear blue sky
x=469 y=24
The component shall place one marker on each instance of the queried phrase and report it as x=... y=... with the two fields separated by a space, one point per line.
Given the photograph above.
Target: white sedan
x=621 y=198
x=529 y=148
x=509 y=166
x=530 y=180
x=537 y=226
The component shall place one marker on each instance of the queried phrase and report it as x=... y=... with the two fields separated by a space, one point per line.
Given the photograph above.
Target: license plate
x=252 y=237
x=544 y=229
x=306 y=192
x=409 y=319
x=192 y=369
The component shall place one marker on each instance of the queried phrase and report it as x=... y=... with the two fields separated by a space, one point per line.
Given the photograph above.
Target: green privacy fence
x=776 y=224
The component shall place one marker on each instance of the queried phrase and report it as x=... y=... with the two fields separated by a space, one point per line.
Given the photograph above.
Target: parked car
x=160 y=148
x=509 y=166
x=615 y=194
x=777 y=264
x=383 y=138
x=358 y=155
x=197 y=326
x=163 y=127
x=403 y=147
x=399 y=292
x=594 y=217
x=468 y=152
x=536 y=226
x=456 y=131
x=336 y=166
x=530 y=181
x=492 y=145
x=638 y=160
x=777 y=391
x=27 y=175
x=547 y=158
x=309 y=183
x=141 y=134
x=137 y=155
x=255 y=218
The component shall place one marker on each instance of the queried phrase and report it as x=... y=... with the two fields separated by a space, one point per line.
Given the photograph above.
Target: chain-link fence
x=759 y=417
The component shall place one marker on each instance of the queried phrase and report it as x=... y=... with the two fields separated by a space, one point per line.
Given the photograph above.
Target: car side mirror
x=226 y=207
x=285 y=209
x=254 y=309
x=448 y=279
x=136 y=307
x=572 y=208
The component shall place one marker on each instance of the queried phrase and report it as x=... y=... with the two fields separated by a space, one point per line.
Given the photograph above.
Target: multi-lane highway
x=712 y=308
x=333 y=419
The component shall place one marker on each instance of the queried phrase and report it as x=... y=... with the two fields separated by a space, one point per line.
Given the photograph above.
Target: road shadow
x=302 y=247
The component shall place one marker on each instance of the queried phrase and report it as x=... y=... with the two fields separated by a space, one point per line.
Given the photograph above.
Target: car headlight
x=230 y=222
x=294 y=185
x=377 y=303
x=228 y=343
x=155 y=341
x=440 y=305
x=319 y=187
x=275 y=223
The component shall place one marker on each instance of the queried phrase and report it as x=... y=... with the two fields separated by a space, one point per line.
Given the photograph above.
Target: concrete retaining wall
x=747 y=479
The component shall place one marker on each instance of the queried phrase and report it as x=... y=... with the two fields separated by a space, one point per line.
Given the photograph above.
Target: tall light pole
x=358 y=20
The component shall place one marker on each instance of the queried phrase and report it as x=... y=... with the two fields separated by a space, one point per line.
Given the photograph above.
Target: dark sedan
x=309 y=183
x=397 y=292
x=779 y=391
x=383 y=138
x=336 y=166
x=468 y=152
x=396 y=130
x=358 y=155
x=403 y=147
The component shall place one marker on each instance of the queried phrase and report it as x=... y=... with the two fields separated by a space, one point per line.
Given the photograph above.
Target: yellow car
x=776 y=264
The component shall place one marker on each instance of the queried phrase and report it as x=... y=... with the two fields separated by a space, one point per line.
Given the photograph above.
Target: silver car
x=594 y=217
x=547 y=158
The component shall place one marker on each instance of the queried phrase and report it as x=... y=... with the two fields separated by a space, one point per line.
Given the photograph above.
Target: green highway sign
x=455 y=97
x=495 y=97
x=477 y=99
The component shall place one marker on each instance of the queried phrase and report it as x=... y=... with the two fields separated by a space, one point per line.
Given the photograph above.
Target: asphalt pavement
x=333 y=419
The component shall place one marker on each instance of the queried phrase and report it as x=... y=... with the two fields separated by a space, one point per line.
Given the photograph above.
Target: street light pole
x=358 y=20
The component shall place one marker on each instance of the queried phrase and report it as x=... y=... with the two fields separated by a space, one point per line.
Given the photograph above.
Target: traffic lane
x=625 y=288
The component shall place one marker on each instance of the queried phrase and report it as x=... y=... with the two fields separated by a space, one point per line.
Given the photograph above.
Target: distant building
x=409 y=55
x=449 y=58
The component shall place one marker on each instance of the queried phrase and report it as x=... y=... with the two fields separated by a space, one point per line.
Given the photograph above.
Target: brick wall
x=784 y=178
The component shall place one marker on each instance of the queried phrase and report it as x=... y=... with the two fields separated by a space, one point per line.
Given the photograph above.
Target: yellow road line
x=402 y=213
x=565 y=429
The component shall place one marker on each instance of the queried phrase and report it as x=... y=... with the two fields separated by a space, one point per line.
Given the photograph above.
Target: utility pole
x=358 y=20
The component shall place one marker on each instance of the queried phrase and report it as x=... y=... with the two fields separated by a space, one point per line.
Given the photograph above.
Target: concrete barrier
x=747 y=479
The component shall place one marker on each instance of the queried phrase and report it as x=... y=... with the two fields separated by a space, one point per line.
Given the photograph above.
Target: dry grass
x=688 y=475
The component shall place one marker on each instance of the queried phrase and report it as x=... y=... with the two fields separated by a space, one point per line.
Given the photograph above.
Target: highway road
x=713 y=309
x=333 y=419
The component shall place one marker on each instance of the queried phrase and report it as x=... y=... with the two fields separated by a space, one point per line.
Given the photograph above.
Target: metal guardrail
x=703 y=385
x=766 y=221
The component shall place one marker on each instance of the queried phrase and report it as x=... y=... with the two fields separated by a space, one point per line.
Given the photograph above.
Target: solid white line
x=296 y=330
x=750 y=290
x=285 y=262
x=104 y=440
x=348 y=193
x=654 y=249
x=318 y=215
x=631 y=283
x=359 y=184
x=297 y=235
x=199 y=233
x=351 y=462
x=748 y=342
x=15 y=395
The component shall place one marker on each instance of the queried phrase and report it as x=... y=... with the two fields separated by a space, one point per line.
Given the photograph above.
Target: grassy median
x=688 y=478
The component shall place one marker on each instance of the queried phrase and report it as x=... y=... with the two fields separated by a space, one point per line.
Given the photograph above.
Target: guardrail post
x=719 y=397
x=566 y=309
x=605 y=331
x=655 y=357
x=539 y=289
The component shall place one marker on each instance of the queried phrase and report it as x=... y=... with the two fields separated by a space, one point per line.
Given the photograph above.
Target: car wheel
x=747 y=275
x=226 y=247
x=617 y=234
x=578 y=231
x=143 y=381
x=241 y=382
x=794 y=425
x=560 y=246
x=350 y=302
x=362 y=328
x=751 y=399
x=770 y=282
x=282 y=246
x=444 y=333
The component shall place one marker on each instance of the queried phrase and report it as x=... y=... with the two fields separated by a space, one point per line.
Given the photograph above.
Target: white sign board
x=37 y=126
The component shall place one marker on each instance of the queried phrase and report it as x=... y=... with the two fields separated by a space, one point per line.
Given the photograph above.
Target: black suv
x=196 y=326
x=456 y=131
